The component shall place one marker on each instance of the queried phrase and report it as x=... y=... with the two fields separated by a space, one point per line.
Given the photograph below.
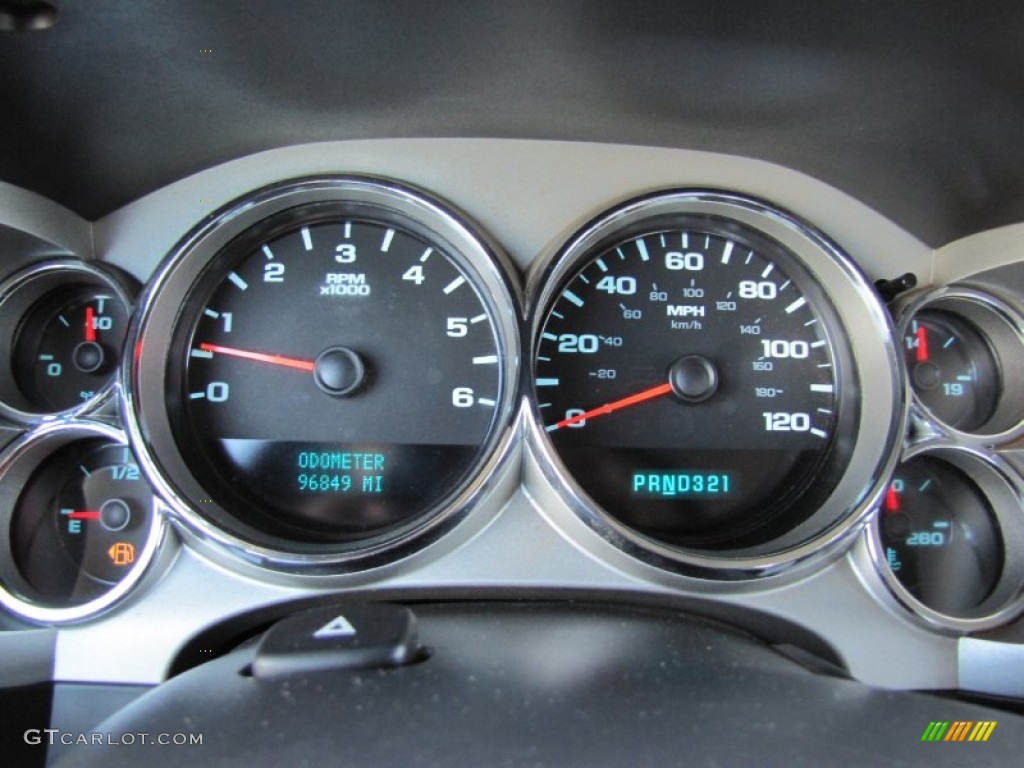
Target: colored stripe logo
x=958 y=730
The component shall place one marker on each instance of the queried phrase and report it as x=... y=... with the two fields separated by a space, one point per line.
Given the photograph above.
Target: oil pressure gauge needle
x=260 y=357
x=90 y=325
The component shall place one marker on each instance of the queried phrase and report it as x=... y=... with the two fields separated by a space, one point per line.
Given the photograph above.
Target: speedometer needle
x=922 y=345
x=260 y=357
x=625 y=402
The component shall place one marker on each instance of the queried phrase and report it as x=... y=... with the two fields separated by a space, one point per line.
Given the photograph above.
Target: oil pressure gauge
x=64 y=325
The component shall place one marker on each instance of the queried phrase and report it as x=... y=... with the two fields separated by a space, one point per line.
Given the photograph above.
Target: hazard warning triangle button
x=339 y=626
x=339 y=636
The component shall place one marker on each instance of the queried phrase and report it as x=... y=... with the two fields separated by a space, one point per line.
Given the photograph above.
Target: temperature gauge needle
x=625 y=402
x=892 y=501
x=260 y=357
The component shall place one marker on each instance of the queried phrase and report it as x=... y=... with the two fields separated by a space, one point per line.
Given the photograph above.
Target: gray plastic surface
x=547 y=684
x=911 y=106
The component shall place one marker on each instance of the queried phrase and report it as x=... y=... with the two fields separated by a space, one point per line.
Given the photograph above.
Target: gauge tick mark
x=454 y=285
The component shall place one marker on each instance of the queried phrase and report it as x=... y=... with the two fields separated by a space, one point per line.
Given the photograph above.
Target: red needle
x=892 y=501
x=639 y=397
x=84 y=515
x=259 y=357
x=922 y=345
x=90 y=327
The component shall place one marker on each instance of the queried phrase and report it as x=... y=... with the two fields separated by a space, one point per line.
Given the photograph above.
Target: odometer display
x=687 y=376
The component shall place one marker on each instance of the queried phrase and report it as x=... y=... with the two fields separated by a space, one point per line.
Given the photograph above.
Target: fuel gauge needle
x=259 y=357
x=625 y=402
x=84 y=515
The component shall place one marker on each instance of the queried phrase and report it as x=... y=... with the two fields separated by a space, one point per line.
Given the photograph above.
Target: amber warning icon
x=121 y=553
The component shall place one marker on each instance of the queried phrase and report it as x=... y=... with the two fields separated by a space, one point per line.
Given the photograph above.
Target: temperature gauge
x=952 y=369
x=83 y=522
x=940 y=537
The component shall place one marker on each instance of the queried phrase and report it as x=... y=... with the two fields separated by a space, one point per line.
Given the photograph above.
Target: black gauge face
x=337 y=375
x=68 y=346
x=687 y=377
x=952 y=369
x=81 y=522
x=940 y=536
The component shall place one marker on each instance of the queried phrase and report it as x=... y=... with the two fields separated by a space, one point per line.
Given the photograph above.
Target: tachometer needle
x=90 y=325
x=922 y=345
x=259 y=357
x=625 y=402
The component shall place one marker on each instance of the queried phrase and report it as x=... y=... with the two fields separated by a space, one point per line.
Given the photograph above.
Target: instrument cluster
x=333 y=372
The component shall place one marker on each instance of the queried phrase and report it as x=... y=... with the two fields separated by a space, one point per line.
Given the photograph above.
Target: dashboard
x=612 y=414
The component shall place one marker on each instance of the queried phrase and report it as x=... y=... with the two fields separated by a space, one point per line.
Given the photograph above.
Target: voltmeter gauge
x=963 y=350
x=64 y=327
x=952 y=369
x=82 y=525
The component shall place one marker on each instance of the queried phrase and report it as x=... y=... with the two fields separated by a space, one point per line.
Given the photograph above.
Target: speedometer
x=692 y=376
x=341 y=366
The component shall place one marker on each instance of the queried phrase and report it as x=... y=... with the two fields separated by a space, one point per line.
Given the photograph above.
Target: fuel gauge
x=100 y=514
x=83 y=521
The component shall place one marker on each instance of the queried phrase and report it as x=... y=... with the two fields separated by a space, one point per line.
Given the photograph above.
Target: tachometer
x=693 y=377
x=340 y=369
